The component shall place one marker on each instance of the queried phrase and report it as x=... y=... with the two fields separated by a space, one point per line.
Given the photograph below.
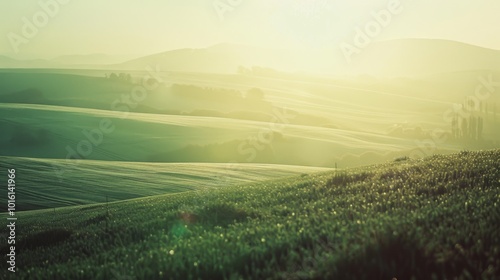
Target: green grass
x=436 y=218
x=51 y=183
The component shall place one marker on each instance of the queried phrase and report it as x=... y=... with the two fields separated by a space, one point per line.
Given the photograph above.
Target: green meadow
x=435 y=218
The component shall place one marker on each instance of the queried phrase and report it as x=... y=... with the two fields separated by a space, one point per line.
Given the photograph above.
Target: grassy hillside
x=51 y=183
x=436 y=218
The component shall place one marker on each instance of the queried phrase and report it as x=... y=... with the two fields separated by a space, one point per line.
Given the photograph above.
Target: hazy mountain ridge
x=406 y=57
x=417 y=57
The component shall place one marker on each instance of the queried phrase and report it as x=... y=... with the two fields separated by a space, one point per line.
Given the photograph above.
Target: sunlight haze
x=250 y=139
x=139 y=28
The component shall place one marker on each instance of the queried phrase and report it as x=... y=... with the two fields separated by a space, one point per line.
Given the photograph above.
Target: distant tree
x=454 y=127
x=465 y=128
x=125 y=77
x=494 y=111
x=480 y=128
x=471 y=105
x=121 y=77
x=472 y=127
x=243 y=70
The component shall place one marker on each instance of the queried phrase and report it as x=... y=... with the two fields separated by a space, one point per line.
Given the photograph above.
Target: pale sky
x=145 y=27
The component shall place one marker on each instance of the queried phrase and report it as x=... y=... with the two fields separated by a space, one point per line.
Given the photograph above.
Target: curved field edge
x=51 y=183
x=436 y=218
x=57 y=131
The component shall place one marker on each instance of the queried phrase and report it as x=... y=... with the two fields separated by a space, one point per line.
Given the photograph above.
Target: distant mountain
x=408 y=57
x=7 y=62
x=415 y=57
x=90 y=59
x=396 y=58
x=222 y=58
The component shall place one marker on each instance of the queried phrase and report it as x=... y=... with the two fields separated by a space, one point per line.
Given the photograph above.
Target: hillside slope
x=435 y=218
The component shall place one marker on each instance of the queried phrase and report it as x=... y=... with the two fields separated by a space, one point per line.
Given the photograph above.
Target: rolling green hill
x=51 y=183
x=436 y=218
x=56 y=132
x=194 y=117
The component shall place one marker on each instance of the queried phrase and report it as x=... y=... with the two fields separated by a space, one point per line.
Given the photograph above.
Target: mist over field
x=235 y=120
x=186 y=111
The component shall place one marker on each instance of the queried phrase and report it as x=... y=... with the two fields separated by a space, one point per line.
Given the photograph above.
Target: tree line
x=119 y=77
x=469 y=123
